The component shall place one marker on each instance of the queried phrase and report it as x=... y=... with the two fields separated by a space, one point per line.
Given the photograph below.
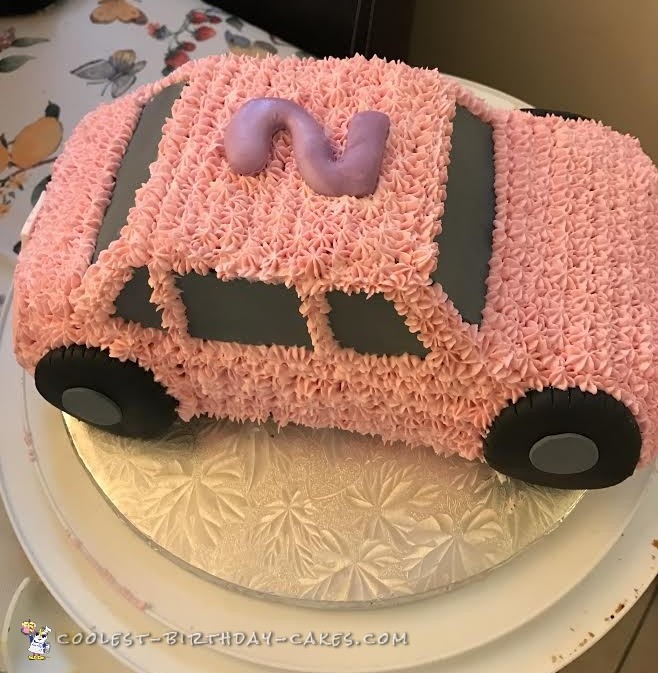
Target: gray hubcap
x=564 y=454
x=91 y=406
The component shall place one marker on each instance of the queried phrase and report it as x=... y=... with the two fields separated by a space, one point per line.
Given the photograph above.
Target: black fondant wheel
x=565 y=439
x=543 y=112
x=119 y=397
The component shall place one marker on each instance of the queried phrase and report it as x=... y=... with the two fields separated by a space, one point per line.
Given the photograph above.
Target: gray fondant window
x=466 y=237
x=371 y=326
x=134 y=301
x=134 y=171
x=242 y=311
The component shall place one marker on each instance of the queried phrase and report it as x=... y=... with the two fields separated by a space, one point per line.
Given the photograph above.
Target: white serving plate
x=583 y=616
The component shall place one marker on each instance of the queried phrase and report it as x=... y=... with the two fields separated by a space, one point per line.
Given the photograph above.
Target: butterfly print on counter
x=109 y=11
x=119 y=71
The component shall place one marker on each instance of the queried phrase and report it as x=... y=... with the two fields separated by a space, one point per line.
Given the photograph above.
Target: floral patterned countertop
x=58 y=64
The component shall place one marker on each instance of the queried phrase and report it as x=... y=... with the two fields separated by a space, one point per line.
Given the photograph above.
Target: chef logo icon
x=39 y=645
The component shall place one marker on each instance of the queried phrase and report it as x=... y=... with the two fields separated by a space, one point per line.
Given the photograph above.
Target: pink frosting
x=571 y=293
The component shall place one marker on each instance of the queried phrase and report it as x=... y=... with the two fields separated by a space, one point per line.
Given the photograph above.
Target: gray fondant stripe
x=142 y=150
x=465 y=241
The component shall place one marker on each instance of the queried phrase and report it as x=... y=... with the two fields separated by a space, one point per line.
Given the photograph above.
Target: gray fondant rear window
x=371 y=325
x=242 y=311
x=133 y=172
x=465 y=241
x=134 y=301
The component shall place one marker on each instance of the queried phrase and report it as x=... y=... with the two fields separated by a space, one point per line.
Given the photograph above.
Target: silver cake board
x=323 y=518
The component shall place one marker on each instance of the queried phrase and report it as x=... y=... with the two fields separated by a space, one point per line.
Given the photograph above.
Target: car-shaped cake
x=354 y=244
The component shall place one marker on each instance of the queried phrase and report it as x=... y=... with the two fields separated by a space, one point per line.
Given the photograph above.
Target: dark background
x=333 y=27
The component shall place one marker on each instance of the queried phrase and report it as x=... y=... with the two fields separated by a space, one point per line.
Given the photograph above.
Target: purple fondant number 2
x=248 y=139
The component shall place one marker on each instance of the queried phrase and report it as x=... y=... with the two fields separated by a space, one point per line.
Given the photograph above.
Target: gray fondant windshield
x=465 y=241
x=142 y=150
x=134 y=301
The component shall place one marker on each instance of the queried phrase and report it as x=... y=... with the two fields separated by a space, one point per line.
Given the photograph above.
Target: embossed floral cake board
x=327 y=517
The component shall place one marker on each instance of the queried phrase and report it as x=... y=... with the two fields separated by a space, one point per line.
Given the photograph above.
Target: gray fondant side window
x=466 y=237
x=134 y=301
x=242 y=311
x=371 y=326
